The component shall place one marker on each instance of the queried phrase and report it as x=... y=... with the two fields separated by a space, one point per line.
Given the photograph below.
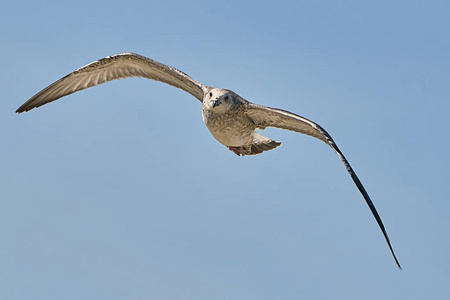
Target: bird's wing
x=118 y=66
x=264 y=117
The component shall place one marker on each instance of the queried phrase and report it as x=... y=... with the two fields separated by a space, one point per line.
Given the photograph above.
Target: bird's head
x=218 y=100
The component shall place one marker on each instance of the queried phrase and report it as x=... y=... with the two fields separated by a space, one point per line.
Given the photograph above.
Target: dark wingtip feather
x=366 y=197
x=21 y=110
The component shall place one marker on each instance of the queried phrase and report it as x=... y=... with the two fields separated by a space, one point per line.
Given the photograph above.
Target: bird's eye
x=210 y=94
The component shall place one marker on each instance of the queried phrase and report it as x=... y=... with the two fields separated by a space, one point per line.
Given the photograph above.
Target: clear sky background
x=121 y=192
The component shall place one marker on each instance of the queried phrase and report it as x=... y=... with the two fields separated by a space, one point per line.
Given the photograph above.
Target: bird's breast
x=230 y=129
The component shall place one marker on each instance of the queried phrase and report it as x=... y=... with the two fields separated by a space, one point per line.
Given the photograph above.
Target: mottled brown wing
x=264 y=117
x=118 y=66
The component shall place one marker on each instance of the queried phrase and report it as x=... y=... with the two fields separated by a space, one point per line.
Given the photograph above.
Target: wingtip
x=390 y=248
x=396 y=260
x=22 y=109
x=26 y=107
x=398 y=264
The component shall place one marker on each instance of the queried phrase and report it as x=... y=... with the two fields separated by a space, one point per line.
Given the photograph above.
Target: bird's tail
x=260 y=144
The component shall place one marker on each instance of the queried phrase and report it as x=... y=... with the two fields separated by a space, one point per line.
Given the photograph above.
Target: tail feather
x=260 y=144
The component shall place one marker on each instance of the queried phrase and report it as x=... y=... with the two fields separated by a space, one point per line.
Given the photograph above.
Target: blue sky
x=120 y=191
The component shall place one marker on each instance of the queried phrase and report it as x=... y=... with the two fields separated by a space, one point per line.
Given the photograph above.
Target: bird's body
x=230 y=124
x=231 y=119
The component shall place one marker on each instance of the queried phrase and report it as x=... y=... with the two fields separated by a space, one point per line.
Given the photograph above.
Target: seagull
x=231 y=119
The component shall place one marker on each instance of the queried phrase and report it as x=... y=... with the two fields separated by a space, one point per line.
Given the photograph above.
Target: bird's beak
x=215 y=102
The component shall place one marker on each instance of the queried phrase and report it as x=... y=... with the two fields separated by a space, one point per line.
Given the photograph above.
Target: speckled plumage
x=231 y=126
x=231 y=119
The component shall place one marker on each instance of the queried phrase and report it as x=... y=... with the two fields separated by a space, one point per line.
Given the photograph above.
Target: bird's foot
x=236 y=150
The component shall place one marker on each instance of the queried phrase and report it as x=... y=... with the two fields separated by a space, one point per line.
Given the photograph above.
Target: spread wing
x=264 y=117
x=118 y=66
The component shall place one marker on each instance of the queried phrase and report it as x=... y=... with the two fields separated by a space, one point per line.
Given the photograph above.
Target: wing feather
x=264 y=117
x=118 y=66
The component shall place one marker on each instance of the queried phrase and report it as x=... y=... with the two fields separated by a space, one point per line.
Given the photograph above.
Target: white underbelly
x=230 y=129
x=229 y=137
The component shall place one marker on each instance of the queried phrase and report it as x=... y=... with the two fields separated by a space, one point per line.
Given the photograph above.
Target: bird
x=231 y=119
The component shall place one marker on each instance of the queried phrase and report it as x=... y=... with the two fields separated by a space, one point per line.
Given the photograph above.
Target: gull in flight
x=231 y=119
